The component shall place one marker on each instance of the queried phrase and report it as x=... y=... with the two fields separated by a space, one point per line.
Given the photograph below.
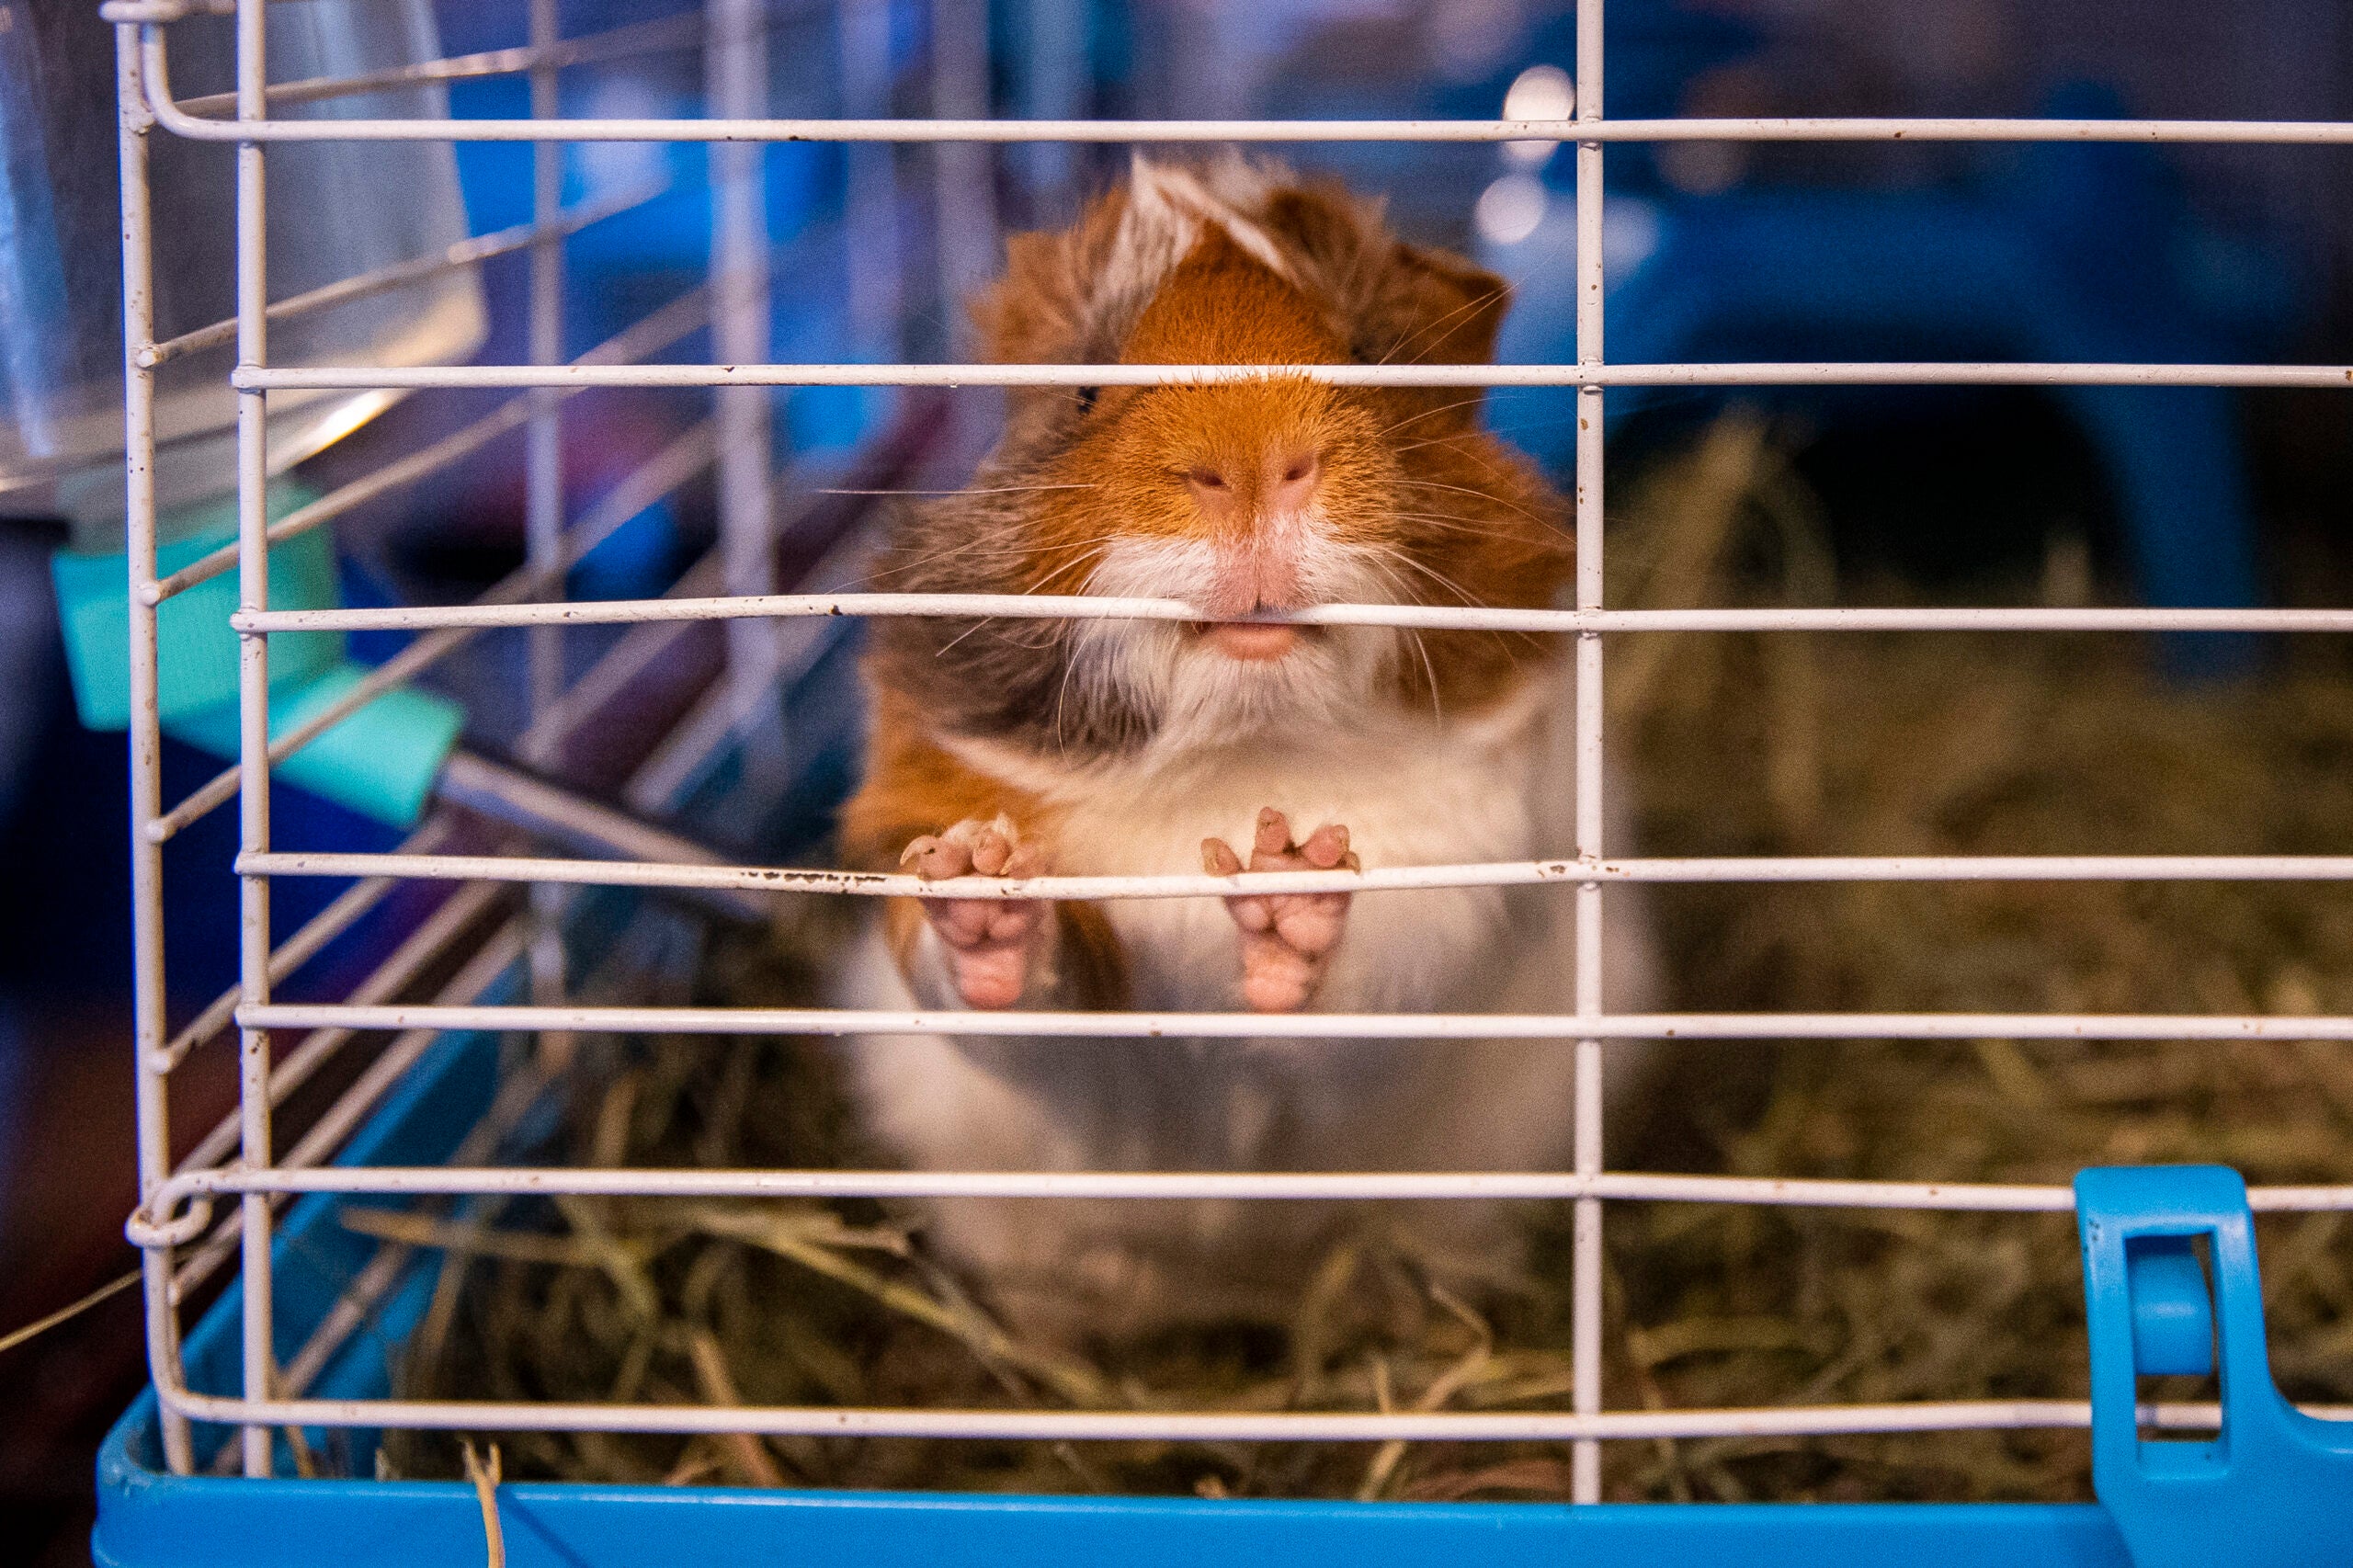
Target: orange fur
x=1402 y=467
x=912 y=787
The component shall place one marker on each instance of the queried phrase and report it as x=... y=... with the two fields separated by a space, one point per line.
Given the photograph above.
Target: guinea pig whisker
x=1448 y=522
x=1466 y=490
x=1421 y=644
x=1548 y=424
x=1440 y=578
x=1473 y=303
x=1506 y=640
x=968 y=490
x=1085 y=560
x=1431 y=413
x=1000 y=545
x=951 y=643
x=1430 y=674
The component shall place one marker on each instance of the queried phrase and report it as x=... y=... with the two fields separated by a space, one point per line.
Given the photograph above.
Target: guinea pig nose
x=1212 y=492
x=1291 y=480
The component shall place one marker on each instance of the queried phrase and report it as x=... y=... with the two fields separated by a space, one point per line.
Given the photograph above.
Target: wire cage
x=426 y=1115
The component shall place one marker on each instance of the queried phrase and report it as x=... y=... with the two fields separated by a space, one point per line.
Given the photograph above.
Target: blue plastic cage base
x=2274 y=1489
x=146 y=1519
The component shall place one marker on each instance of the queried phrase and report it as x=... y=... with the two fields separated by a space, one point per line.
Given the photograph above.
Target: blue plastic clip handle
x=2274 y=1489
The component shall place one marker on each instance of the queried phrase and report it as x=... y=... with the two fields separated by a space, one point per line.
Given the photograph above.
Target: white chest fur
x=1410 y=793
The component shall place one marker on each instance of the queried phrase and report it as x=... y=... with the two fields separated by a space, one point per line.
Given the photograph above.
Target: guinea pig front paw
x=992 y=943
x=1287 y=938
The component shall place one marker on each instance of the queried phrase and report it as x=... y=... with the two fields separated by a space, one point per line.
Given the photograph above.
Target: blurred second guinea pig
x=1006 y=747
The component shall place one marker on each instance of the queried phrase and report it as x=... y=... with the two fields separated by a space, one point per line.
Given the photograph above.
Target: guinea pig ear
x=1426 y=307
x=1037 y=313
x=1401 y=304
x=1430 y=308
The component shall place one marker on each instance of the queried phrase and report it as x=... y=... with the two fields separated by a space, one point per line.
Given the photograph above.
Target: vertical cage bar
x=965 y=193
x=543 y=453
x=1053 y=81
x=736 y=72
x=1584 y=1479
x=870 y=211
x=543 y=480
x=253 y=697
x=148 y=1020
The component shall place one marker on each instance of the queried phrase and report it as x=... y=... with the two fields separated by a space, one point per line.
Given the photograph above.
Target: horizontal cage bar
x=1382 y=879
x=1264 y=1185
x=1312 y=1026
x=1763 y=128
x=1183 y=1427
x=1726 y=373
x=463 y=253
x=681 y=32
x=649 y=334
x=1428 y=617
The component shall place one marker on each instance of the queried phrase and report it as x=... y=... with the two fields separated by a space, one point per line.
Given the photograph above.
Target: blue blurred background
x=1856 y=251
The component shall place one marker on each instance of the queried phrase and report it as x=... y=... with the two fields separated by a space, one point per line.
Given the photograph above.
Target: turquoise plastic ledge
x=381 y=762
x=197 y=662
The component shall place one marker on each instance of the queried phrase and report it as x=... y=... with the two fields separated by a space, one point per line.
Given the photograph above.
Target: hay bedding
x=1738 y=745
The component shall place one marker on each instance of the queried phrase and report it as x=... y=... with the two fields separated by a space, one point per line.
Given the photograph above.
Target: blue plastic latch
x=2274 y=1487
x=2173 y=1317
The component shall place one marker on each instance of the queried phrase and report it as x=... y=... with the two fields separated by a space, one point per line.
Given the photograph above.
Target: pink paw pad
x=990 y=941
x=1287 y=938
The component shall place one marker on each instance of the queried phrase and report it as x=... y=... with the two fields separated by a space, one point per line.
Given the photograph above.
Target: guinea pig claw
x=1219 y=859
x=1326 y=848
x=1273 y=839
x=991 y=851
x=936 y=858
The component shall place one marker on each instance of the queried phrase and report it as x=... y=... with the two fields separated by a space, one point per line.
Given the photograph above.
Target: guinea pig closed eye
x=1224 y=742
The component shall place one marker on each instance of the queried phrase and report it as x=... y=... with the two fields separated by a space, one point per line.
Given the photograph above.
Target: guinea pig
x=1124 y=747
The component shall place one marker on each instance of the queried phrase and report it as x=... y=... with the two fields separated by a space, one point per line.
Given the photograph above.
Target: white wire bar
x=1428 y=617
x=456 y=258
x=259 y=1353
x=543 y=485
x=1585 y=1263
x=1380 y=879
x=1728 y=373
x=1187 y=1427
x=649 y=334
x=337 y=917
x=149 y=1000
x=735 y=70
x=680 y=31
x=1431 y=1027
x=1763 y=128
x=198 y=1188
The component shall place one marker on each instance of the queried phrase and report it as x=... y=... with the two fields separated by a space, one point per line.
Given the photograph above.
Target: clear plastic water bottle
x=336 y=210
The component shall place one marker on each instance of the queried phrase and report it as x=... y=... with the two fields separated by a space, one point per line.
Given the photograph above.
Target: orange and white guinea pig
x=1124 y=748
